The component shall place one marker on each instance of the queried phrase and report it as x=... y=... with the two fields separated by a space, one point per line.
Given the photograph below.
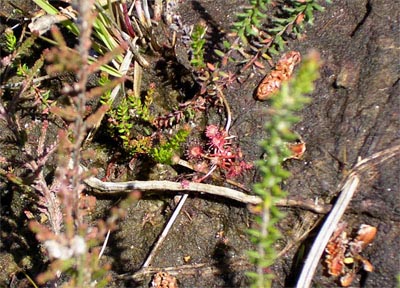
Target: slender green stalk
x=283 y=106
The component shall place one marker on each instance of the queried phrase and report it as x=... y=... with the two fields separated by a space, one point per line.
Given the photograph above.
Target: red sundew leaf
x=185 y=183
x=195 y=152
x=212 y=131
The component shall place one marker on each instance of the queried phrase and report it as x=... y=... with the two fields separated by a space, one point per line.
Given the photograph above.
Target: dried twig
x=305 y=204
x=18 y=84
x=126 y=187
x=301 y=232
x=103 y=248
x=164 y=233
x=190 y=166
x=348 y=189
x=202 y=269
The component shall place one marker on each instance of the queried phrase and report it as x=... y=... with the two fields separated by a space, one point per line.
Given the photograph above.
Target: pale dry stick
x=137 y=79
x=104 y=244
x=188 y=165
x=127 y=187
x=146 y=13
x=347 y=191
x=309 y=205
x=172 y=186
x=123 y=70
x=34 y=81
x=135 y=49
x=164 y=234
x=228 y=110
x=325 y=233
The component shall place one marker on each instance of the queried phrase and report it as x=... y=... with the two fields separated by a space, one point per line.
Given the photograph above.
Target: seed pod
x=282 y=72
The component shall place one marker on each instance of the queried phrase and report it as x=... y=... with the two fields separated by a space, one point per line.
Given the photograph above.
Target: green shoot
x=165 y=152
x=197 y=45
x=283 y=106
x=22 y=70
x=250 y=20
x=11 y=40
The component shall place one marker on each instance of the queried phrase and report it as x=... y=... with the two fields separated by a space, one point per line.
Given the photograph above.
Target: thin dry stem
x=202 y=269
x=126 y=187
x=165 y=232
x=348 y=190
x=85 y=28
x=162 y=186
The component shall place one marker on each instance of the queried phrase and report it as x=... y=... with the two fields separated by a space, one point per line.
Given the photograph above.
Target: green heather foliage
x=134 y=112
x=255 y=25
x=17 y=50
x=166 y=151
x=11 y=41
x=251 y=19
x=130 y=112
x=106 y=96
x=283 y=107
x=132 y=123
x=293 y=16
x=197 y=45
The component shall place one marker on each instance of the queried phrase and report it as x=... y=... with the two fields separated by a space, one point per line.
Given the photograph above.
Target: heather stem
x=85 y=28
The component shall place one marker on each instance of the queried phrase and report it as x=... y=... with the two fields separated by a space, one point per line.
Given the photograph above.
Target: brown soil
x=355 y=112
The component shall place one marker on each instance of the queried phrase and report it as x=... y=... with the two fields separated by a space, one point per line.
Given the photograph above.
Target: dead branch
x=348 y=189
x=126 y=187
x=203 y=269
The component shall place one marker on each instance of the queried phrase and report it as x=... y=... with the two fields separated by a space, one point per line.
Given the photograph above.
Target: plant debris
x=343 y=255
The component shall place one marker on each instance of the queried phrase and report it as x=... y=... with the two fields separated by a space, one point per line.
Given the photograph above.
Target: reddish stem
x=128 y=23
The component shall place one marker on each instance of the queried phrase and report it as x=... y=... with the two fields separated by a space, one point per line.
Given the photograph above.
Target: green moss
x=164 y=152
